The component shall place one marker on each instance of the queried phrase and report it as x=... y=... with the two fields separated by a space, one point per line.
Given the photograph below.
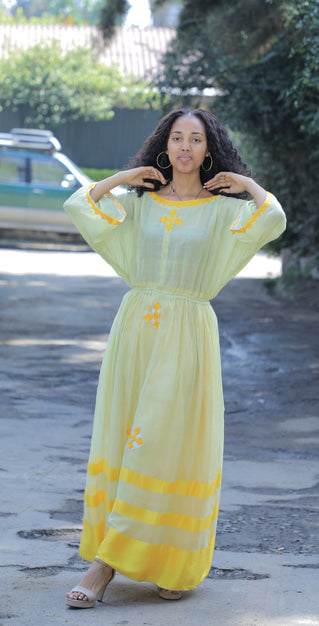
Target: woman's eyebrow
x=194 y=132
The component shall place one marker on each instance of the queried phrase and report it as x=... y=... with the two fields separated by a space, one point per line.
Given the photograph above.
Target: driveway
x=57 y=307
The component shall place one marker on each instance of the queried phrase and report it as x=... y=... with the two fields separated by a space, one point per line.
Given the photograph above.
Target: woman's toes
x=74 y=595
x=81 y=596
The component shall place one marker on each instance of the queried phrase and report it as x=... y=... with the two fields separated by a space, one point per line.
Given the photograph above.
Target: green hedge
x=98 y=174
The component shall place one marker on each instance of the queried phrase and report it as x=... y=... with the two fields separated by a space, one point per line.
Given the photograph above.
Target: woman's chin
x=186 y=167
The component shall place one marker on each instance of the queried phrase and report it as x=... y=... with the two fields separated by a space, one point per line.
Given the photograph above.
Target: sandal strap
x=87 y=592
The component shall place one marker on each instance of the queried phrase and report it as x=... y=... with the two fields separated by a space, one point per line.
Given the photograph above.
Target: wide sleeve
x=242 y=229
x=258 y=226
x=106 y=225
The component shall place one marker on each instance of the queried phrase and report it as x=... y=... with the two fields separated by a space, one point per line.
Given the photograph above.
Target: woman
x=177 y=237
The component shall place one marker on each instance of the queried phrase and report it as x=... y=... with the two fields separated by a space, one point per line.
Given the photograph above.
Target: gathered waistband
x=171 y=294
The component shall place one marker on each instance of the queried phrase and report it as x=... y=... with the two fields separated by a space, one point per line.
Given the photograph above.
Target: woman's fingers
x=226 y=182
x=143 y=175
x=155 y=173
x=222 y=179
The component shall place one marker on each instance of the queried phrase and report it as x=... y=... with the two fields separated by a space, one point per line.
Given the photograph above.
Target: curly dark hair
x=224 y=154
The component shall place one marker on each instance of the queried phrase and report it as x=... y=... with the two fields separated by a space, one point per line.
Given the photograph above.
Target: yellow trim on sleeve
x=97 y=211
x=253 y=218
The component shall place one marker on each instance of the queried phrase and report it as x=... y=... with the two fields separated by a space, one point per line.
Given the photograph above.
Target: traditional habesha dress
x=155 y=465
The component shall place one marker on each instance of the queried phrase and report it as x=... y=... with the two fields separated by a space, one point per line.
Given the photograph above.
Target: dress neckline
x=180 y=203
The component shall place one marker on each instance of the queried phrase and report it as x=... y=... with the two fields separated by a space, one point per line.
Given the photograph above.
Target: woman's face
x=187 y=144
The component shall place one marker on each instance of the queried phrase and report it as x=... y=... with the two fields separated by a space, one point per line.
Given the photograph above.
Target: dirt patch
x=234 y=574
x=269 y=529
x=53 y=534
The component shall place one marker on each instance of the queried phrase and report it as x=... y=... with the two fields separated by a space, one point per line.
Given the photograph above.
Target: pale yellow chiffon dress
x=155 y=466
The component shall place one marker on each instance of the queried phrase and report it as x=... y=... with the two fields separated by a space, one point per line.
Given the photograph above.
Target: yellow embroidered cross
x=154 y=315
x=135 y=439
x=171 y=221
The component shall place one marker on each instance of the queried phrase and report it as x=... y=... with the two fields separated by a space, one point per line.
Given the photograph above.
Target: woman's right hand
x=138 y=175
x=134 y=177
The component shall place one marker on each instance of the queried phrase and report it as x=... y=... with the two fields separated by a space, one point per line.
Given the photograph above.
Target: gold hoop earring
x=162 y=167
x=211 y=163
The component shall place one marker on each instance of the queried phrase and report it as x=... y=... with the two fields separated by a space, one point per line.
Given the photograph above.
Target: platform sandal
x=90 y=602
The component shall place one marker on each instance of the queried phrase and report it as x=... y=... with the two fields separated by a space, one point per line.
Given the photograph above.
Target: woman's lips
x=185 y=157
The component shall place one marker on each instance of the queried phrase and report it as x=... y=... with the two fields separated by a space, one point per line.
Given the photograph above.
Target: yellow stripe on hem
x=102 y=467
x=97 y=211
x=92 y=501
x=91 y=538
x=176 y=520
x=253 y=218
x=164 y=565
x=180 y=487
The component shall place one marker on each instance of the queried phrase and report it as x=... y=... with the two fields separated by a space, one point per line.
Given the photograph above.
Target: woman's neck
x=186 y=184
x=186 y=187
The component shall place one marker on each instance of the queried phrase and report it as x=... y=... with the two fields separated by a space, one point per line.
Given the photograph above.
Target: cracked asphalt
x=56 y=310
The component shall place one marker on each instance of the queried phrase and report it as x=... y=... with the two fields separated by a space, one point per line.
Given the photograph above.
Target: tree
x=263 y=58
x=73 y=11
x=112 y=15
x=50 y=87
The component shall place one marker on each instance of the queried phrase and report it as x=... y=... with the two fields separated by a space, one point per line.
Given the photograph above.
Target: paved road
x=56 y=312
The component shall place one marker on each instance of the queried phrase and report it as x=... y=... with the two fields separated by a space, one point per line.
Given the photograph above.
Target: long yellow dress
x=154 y=472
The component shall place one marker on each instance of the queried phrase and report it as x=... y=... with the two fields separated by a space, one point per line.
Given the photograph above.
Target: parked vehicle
x=35 y=180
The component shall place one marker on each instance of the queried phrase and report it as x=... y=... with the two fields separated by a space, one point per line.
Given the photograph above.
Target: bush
x=98 y=174
x=50 y=87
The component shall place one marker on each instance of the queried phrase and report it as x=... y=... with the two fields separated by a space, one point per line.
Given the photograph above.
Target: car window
x=47 y=172
x=12 y=169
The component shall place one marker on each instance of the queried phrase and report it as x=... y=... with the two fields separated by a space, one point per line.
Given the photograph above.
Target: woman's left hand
x=228 y=182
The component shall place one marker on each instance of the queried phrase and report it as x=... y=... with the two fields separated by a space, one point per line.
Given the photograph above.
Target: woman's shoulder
x=126 y=197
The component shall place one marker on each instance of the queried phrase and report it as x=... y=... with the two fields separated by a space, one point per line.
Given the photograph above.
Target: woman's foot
x=98 y=576
x=169 y=594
